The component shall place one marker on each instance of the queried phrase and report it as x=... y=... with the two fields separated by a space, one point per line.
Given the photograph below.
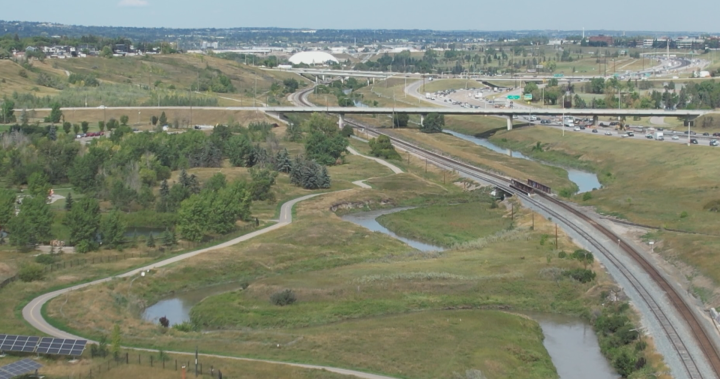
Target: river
x=368 y=220
x=586 y=181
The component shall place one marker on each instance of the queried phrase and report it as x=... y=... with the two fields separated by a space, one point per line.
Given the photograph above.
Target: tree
x=238 y=149
x=7 y=111
x=85 y=126
x=624 y=364
x=530 y=87
x=154 y=120
x=215 y=183
x=52 y=133
x=24 y=118
x=324 y=149
x=383 y=148
x=116 y=339
x=106 y=52
x=282 y=161
x=150 y=241
x=193 y=218
x=68 y=202
x=400 y=120
x=294 y=132
x=55 y=113
x=433 y=123
x=76 y=129
x=163 y=119
x=33 y=224
x=112 y=124
x=84 y=221
x=597 y=85
x=124 y=120
x=38 y=185
x=101 y=126
x=321 y=124
x=7 y=206
x=67 y=127
x=168 y=237
x=552 y=82
x=113 y=229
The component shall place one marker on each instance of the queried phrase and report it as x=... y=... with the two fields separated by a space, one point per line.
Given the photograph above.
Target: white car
x=576 y=129
x=675 y=138
x=608 y=133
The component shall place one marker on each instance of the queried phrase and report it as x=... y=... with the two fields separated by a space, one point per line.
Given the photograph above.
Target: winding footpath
x=32 y=312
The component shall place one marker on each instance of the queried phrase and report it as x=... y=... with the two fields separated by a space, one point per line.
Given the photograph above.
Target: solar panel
x=18 y=368
x=59 y=346
x=22 y=344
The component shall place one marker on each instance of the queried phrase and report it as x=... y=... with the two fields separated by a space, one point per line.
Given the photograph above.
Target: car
x=649 y=136
x=706 y=134
x=693 y=141
x=582 y=127
x=631 y=134
x=577 y=129
x=78 y=136
x=594 y=131
x=716 y=134
x=713 y=142
x=675 y=138
x=608 y=133
x=660 y=138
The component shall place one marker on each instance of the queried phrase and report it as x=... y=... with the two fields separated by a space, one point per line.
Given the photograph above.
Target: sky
x=657 y=15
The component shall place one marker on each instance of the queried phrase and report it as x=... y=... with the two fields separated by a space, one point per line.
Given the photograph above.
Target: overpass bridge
x=689 y=115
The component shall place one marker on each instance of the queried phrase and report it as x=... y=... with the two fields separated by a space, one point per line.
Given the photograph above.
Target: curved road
x=32 y=312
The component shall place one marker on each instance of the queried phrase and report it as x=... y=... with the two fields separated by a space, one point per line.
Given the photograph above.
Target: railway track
x=704 y=342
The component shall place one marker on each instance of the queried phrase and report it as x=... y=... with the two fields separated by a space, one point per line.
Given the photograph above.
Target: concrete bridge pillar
x=422 y=120
x=341 y=120
x=509 y=122
x=595 y=120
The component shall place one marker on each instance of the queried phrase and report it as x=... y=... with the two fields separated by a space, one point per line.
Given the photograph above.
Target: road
x=461 y=97
x=32 y=312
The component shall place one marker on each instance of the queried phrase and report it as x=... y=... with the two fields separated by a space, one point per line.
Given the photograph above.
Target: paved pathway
x=395 y=169
x=33 y=315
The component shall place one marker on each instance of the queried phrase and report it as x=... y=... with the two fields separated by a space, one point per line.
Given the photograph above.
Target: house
x=600 y=40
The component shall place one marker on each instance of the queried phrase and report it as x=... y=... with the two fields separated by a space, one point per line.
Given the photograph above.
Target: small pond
x=573 y=347
x=368 y=221
x=177 y=307
x=586 y=181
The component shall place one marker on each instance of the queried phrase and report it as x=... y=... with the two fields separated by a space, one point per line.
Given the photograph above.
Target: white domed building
x=312 y=58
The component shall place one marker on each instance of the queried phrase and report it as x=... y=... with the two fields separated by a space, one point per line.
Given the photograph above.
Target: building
x=600 y=40
x=312 y=57
x=690 y=43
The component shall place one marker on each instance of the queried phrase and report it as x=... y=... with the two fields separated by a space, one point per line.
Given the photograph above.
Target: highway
x=683 y=335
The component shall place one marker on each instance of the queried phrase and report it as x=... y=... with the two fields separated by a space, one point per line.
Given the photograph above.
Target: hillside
x=140 y=81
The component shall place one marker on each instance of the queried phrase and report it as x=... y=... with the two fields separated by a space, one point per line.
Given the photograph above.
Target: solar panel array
x=18 y=368
x=59 y=346
x=48 y=345
x=21 y=344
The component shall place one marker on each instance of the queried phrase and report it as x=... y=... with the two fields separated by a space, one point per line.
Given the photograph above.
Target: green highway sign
x=528 y=97
x=558 y=75
x=513 y=97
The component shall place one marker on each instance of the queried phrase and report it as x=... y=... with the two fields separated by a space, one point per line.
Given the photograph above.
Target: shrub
x=164 y=321
x=185 y=327
x=347 y=131
x=562 y=255
x=684 y=214
x=624 y=364
x=587 y=196
x=45 y=259
x=382 y=147
x=31 y=272
x=640 y=346
x=581 y=275
x=283 y=298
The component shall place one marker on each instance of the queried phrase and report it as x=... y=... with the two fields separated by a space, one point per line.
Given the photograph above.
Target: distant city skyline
x=661 y=15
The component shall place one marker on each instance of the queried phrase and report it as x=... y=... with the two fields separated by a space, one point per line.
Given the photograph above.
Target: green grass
x=446 y=84
x=447 y=224
x=646 y=182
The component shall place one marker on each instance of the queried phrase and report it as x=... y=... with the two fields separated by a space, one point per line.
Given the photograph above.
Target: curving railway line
x=692 y=365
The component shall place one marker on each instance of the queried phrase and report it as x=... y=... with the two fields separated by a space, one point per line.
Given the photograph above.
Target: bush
x=562 y=255
x=283 y=298
x=164 y=321
x=347 y=131
x=382 y=147
x=587 y=196
x=684 y=214
x=581 y=275
x=31 y=272
x=45 y=259
x=185 y=327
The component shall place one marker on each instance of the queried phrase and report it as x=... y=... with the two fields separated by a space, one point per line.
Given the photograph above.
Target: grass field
x=663 y=185
x=447 y=224
x=446 y=84
x=362 y=295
